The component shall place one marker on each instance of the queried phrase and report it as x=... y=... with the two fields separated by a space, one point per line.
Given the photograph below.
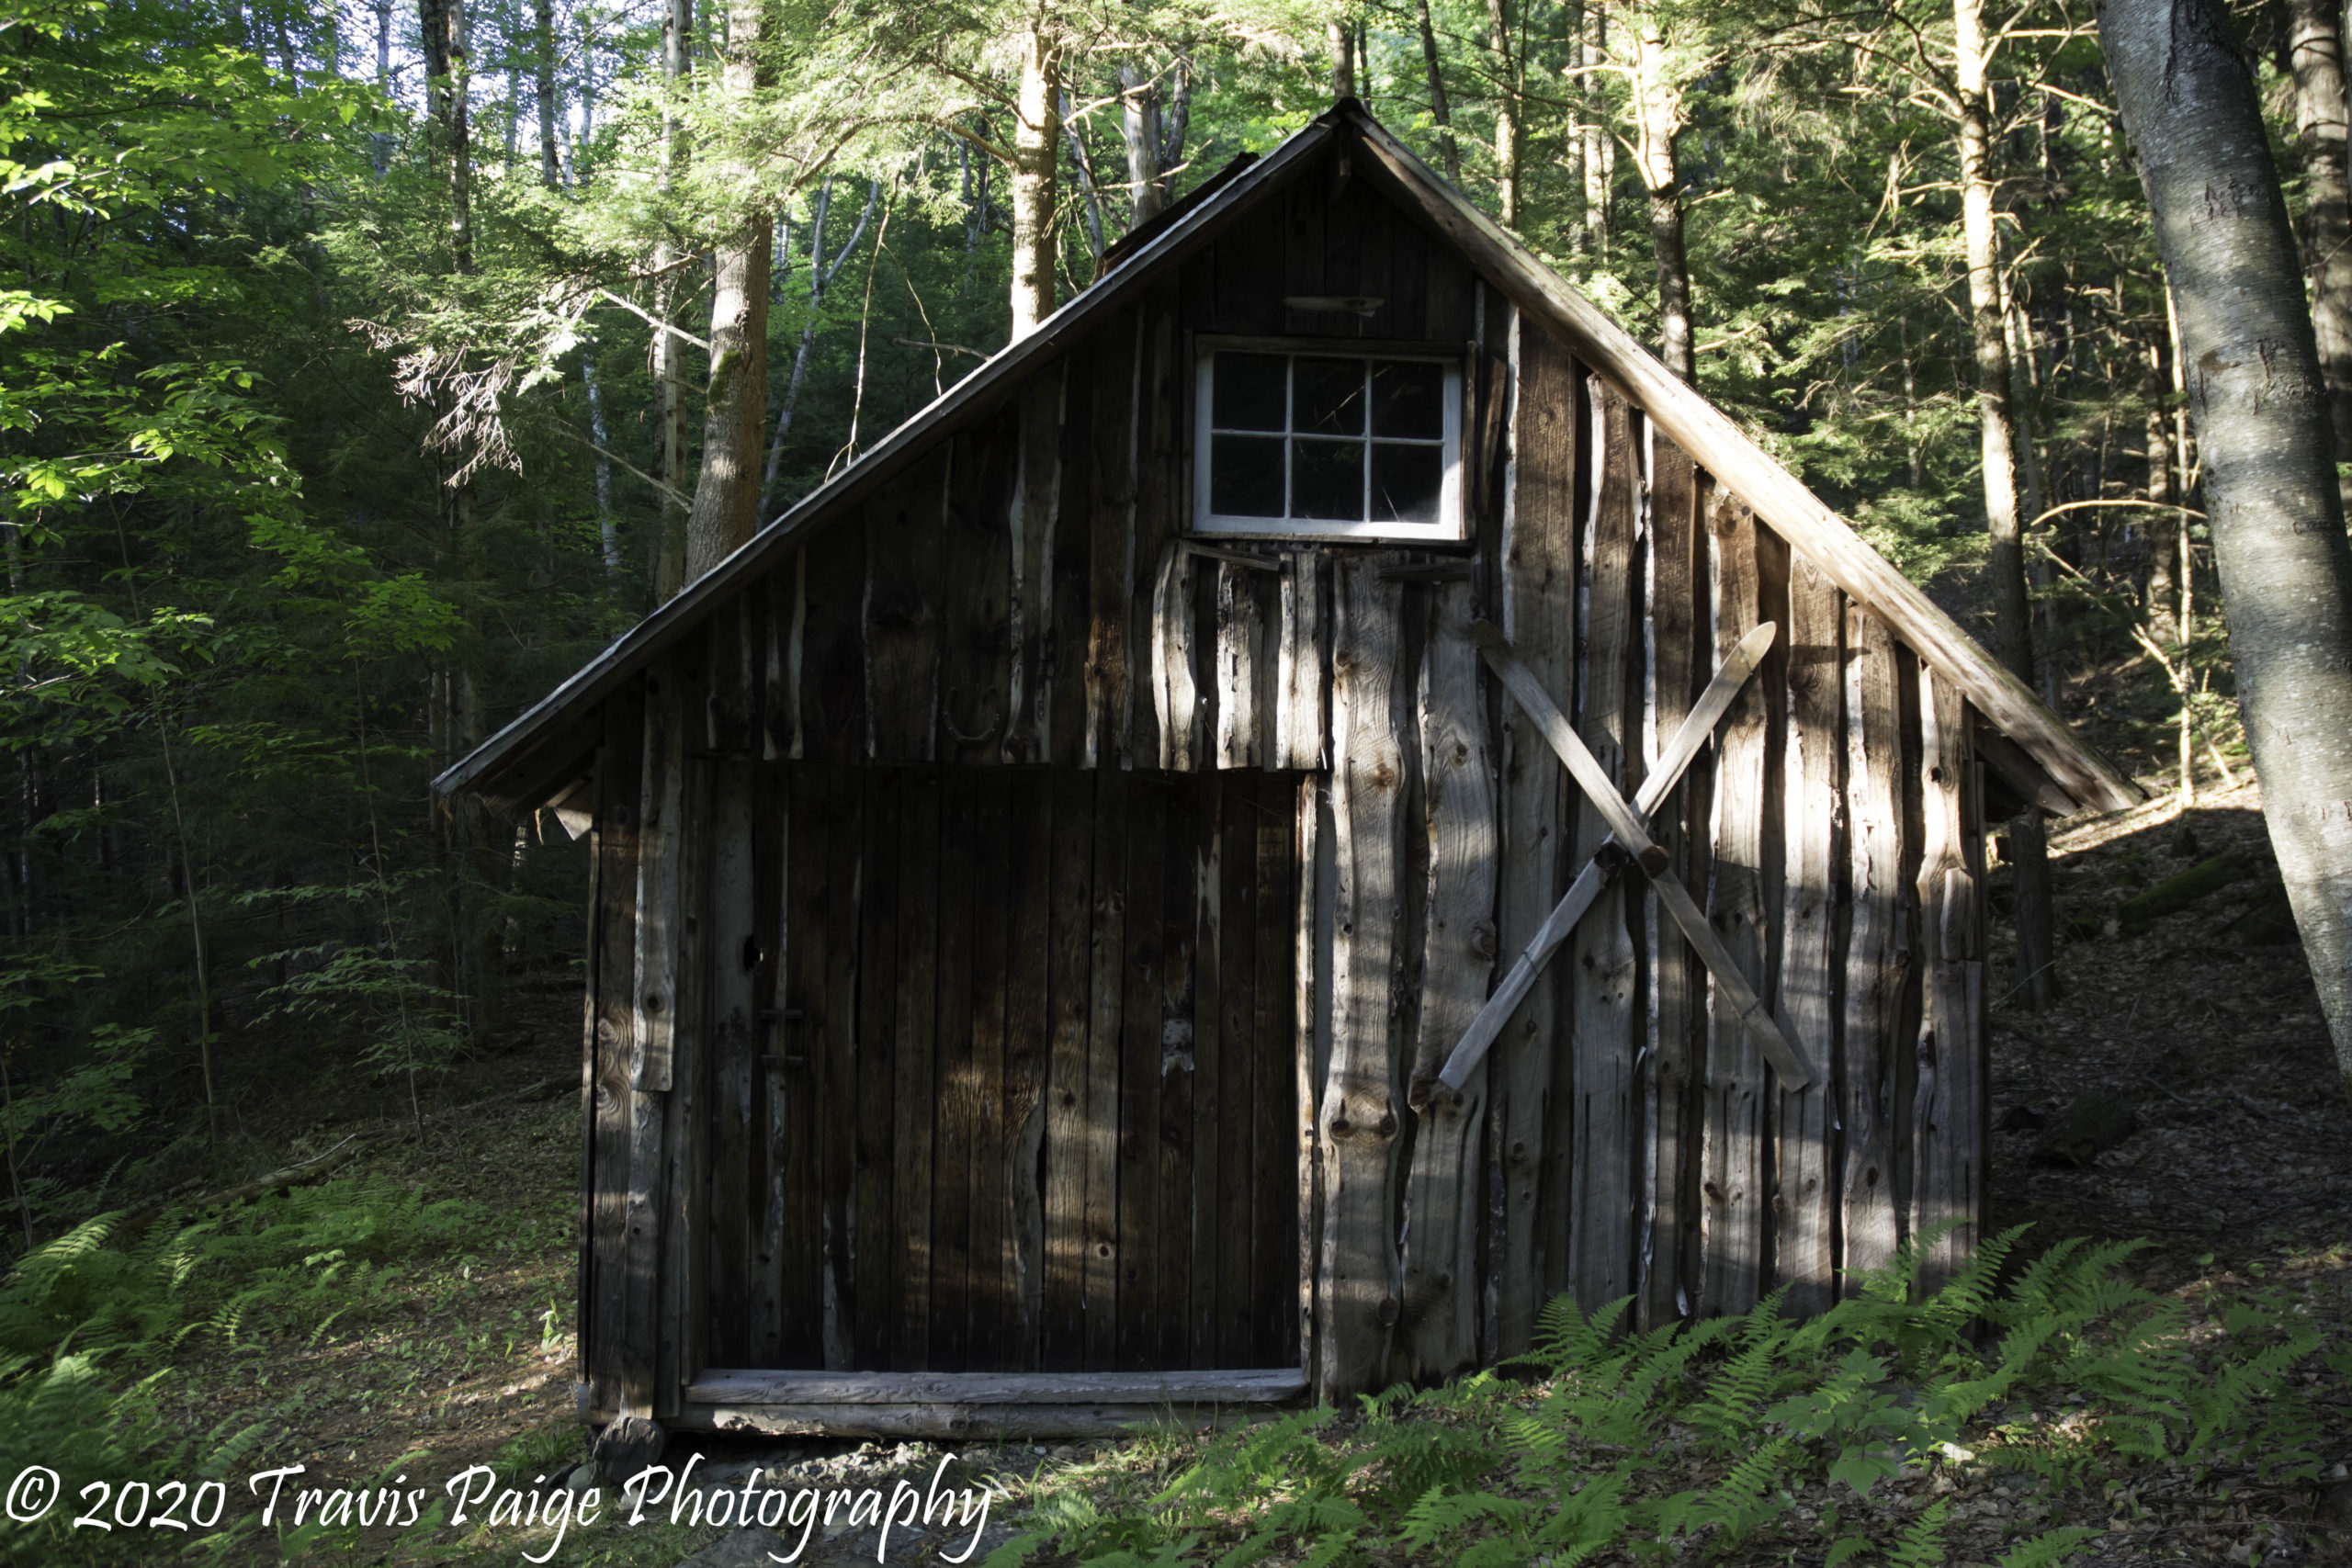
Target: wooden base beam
x=972 y=1422
x=1269 y=1385
x=980 y=1405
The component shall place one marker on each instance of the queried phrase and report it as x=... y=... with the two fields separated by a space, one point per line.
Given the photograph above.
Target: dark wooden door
x=1028 y=1099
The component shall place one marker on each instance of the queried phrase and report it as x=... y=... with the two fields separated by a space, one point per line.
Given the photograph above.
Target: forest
x=367 y=367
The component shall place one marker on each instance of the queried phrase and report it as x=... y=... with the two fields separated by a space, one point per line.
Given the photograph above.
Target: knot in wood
x=1388 y=1312
x=1654 y=861
x=1387 y=1124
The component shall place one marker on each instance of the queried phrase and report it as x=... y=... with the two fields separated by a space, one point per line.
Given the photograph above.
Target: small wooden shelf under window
x=1326 y=440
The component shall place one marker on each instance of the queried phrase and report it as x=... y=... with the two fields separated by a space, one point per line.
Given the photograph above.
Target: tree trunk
x=1036 y=149
x=2159 y=605
x=975 y=187
x=2262 y=420
x=2315 y=52
x=668 y=350
x=1448 y=150
x=441 y=25
x=1506 y=85
x=1176 y=119
x=2012 y=619
x=820 y=278
x=607 y=530
x=1657 y=107
x=735 y=411
x=1598 y=155
x=1089 y=190
x=1140 y=125
x=2027 y=401
x=543 y=35
x=1343 y=62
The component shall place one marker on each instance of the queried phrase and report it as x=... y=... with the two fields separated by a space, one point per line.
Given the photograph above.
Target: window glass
x=1250 y=394
x=1406 y=482
x=1407 y=398
x=1327 y=442
x=1326 y=480
x=1330 y=395
x=1246 y=476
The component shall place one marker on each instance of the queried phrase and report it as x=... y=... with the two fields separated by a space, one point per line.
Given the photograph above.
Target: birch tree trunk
x=1036 y=148
x=2258 y=400
x=2315 y=52
x=669 y=349
x=2012 y=618
x=726 y=510
x=1657 y=107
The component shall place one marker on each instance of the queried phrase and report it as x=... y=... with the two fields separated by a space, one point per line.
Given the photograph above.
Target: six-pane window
x=1329 y=444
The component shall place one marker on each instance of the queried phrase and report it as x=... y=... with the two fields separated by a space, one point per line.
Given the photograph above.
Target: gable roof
x=543 y=746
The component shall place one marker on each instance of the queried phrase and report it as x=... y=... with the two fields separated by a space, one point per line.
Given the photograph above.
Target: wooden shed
x=1042 y=880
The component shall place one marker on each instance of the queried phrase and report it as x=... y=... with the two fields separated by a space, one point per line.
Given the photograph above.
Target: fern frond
x=2047 y=1550
x=1923 y=1544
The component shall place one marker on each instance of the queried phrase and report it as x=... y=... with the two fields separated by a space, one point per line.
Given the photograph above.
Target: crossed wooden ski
x=1630 y=836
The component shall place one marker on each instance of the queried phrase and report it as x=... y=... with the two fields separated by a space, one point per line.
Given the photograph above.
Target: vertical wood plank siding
x=1538 y=594
x=1681 y=655
x=1443 y=1209
x=1356 y=1304
x=1602 y=964
x=978 y=1216
x=1878 y=943
x=1734 y=1228
x=1814 y=751
x=1948 y=1135
x=1024 y=937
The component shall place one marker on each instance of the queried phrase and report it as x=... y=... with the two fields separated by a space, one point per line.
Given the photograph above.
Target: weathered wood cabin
x=1042 y=879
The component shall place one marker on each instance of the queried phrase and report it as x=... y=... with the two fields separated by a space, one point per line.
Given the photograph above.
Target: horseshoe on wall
x=985 y=733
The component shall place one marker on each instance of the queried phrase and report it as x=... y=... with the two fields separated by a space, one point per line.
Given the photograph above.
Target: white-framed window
x=1324 y=440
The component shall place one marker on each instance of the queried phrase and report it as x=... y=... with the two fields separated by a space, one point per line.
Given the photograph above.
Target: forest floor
x=2197 y=1041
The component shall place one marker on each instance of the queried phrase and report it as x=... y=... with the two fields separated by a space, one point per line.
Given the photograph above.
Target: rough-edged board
x=1361 y=1112
x=1806 y=1214
x=1445 y=1188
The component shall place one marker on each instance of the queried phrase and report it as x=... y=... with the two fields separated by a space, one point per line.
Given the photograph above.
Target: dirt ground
x=2203 y=1032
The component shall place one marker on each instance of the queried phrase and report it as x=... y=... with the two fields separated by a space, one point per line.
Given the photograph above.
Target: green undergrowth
x=1816 y=1438
x=91 y=1324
